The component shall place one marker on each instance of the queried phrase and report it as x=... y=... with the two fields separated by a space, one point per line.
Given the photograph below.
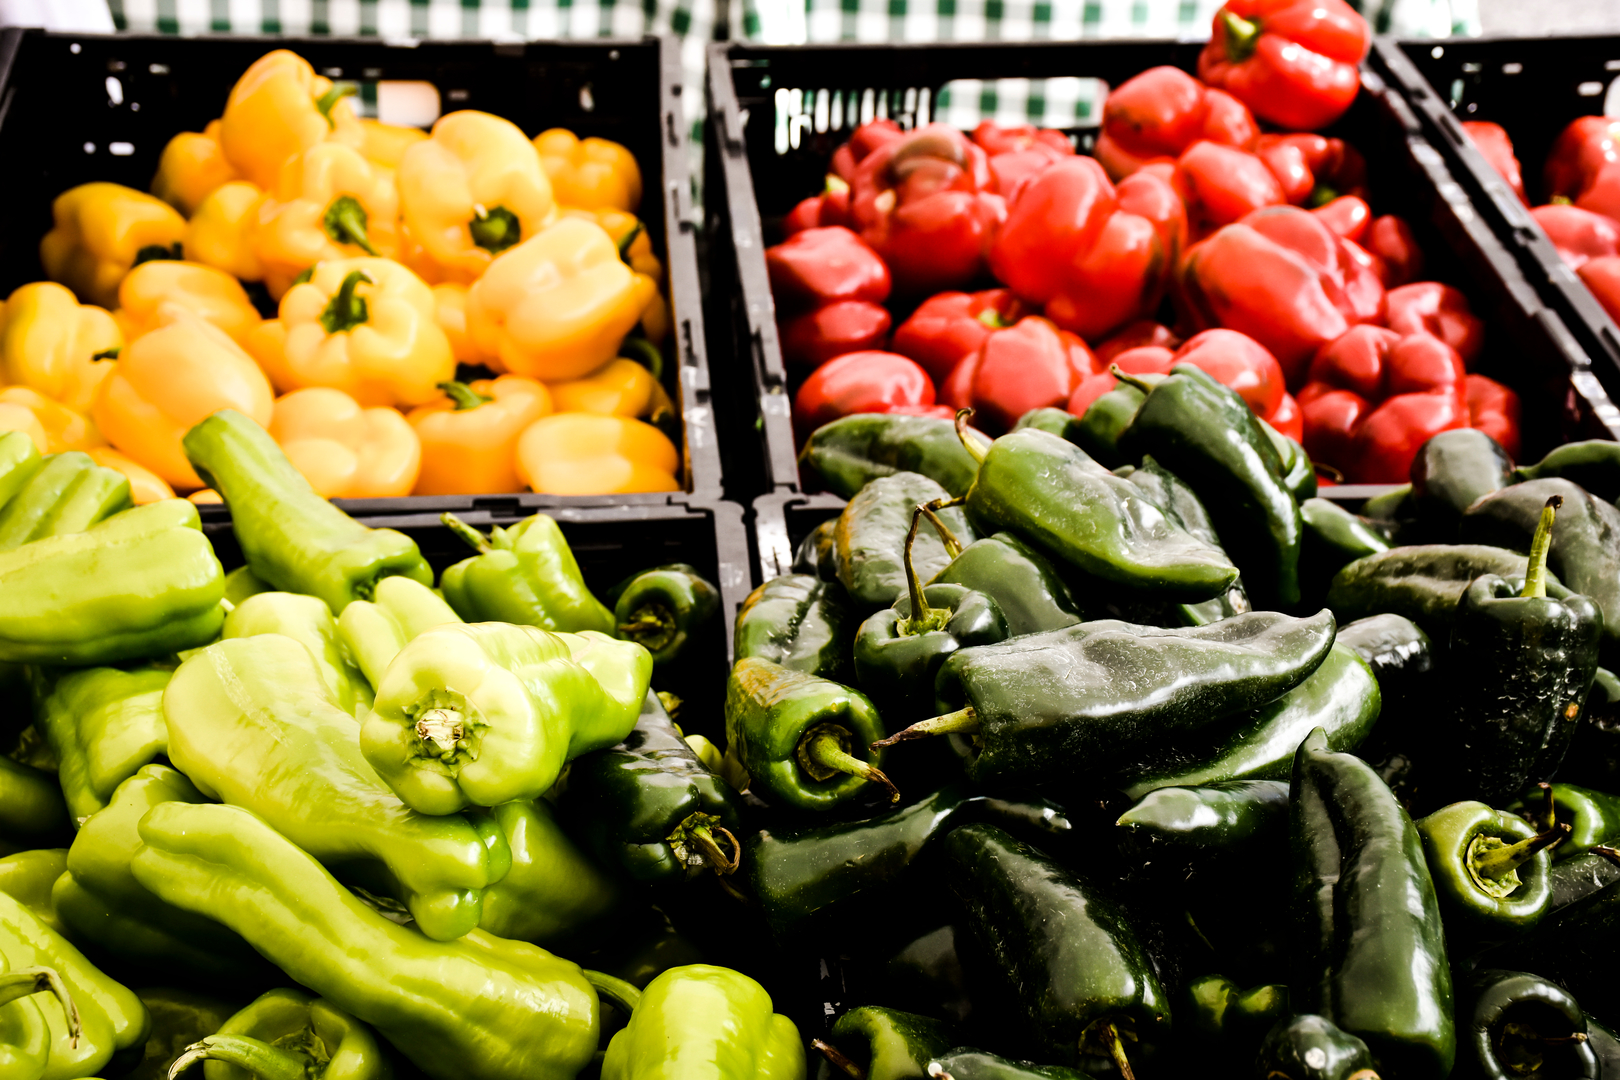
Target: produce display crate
x=1533 y=87
x=819 y=92
x=82 y=107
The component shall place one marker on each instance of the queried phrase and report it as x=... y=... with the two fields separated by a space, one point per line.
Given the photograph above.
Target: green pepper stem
x=345 y=310
x=1604 y=851
x=494 y=230
x=953 y=546
x=961 y=722
x=623 y=994
x=1141 y=382
x=644 y=352
x=628 y=239
x=107 y=354
x=836 y=1058
x=992 y=318
x=465 y=397
x=475 y=539
x=921 y=614
x=337 y=93
x=442 y=728
x=652 y=626
x=42 y=980
x=703 y=837
x=1535 y=572
x=823 y=753
x=970 y=443
x=345 y=222
x=1241 y=35
x=158 y=253
x=260 y=1059
x=1112 y=1042
x=1497 y=863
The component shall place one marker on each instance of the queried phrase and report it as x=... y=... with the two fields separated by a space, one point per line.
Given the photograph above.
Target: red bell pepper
x=1313 y=169
x=949 y=326
x=1142 y=360
x=1222 y=184
x=993 y=139
x=1028 y=366
x=1288 y=419
x=1602 y=194
x=1581 y=149
x=818 y=266
x=1579 y=235
x=1432 y=308
x=862 y=141
x=1602 y=276
x=1139 y=333
x=843 y=326
x=1494 y=409
x=1348 y=216
x=1155 y=116
x=1494 y=145
x=831 y=207
x=859 y=382
x=1293 y=62
x=924 y=203
x=1390 y=240
x=1240 y=362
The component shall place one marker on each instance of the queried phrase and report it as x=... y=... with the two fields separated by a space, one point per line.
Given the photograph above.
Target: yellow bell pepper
x=385 y=144
x=168 y=380
x=470 y=434
x=50 y=342
x=343 y=450
x=193 y=164
x=622 y=388
x=557 y=306
x=635 y=248
x=450 y=307
x=63 y=428
x=15 y=417
x=221 y=233
x=367 y=327
x=279 y=108
x=331 y=203
x=585 y=454
x=211 y=295
x=101 y=231
x=589 y=173
x=471 y=191
x=145 y=486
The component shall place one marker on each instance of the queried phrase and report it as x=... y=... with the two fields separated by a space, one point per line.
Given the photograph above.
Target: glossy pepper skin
x=1222 y=184
x=1579 y=235
x=294 y=539
x=372 y=632
x=587 y=454
x=1490 y=869
x=699 y=1018
x=1028 y=366
x=244 y=694
x=469 y=435
x=1065 y=950
x=966 y=1063
x=1593 y=817
x=192 y=165
x=1453 y=470
x=1024 y=585
x=1226 y=1020
x=1333 y=538
x=308 y=621
x=1293 y=63
x=869 y=542
x=207 y=292
x=591 y=173
x=20 y=460
x=101 y=231
x=1152 y=117
x=1423 y=583
x=897 y=655
x=1510 y=1017
x=278 y=108
x=886 y=1044
x=525 y=574
x=951 y=325
x=818 y=267
x=1311 y=1047
x=862 y=382
x=228 y=864
x=849 y=452
x=477 y=714
x=27 y=877
x=662 y=607
x=103 y=724
x=1371 y=953
x=346 y=451
x=285 y=1032
x=140 y=584
x=1441 y=310
x=1192 y=821
x=329 y=203
x=220 y=232
x=798 y=621
x=844 y=326
x=554 y=894
x=68 y=494
x=49 y=341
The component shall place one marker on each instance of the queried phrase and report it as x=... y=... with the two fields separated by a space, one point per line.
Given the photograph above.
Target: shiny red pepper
x=862 y=141
x=1136 y=334
x=1028 y=366
x=1389 y=239
x=1313 y=169
x=1348 y=216
x=841 y=327
x=1602 y=276
x=1240 y=362
x=1493 y=143
x=1432 y=308
x=1156 y=115
x=1581 y=149
x=860 y=382
x=1494 y=409
x=949 y=326
x=1019 y=152
x=818 y=266
x=924 y=203
x=1222 y=184
x=1602 y=195
x=1579 y=235
x=831 y=207
x=1293 y=62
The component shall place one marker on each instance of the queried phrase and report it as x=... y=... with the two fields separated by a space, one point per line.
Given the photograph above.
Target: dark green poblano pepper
x=1450 y=472
x=799 y=621
x=1311 y=1047
x=874 y=1043
x=1593 y=464
x=870 y=538
x=852 y=451
x=1022 y=582
x=1515 y=1024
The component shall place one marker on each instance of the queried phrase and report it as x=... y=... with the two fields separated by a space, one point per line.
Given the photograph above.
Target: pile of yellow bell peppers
x=393 y=255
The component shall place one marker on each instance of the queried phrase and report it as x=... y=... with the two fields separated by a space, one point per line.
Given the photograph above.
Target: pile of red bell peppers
x=1210 y=192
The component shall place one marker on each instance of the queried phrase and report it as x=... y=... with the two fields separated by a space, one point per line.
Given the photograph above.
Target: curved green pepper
x=374 y=631
x=309 y=622
x=799 y=621
x=20 y=460
x=1333 y=539
x=1573 y=880
x=661 y=608
x=234 y=710
x=705 y=1020
x=31 y=805
x=1393 y=507
x=852 y=451
x=25 y=1038
x=288 y=1035
x=1188 y=822
x=1298 y=470
x=1401 y=658
x=1593 y=817
x=1517 y=1024
x=179 y=1018
x=1490 y=868
x=553 y=893
x=1105 y=420
x=27 y=877
x=1024 y=585
x=1605 y=1046
x=291 y=537
x=67 y=494
x=477 y=714
x=104 y=724
x=804 y=741
x=1450 y=472
x=869 y=542
x=1594 y=464
x=1053 y=421
x=965 y=1063
x=818 y=552
x=523 y=574
x=873 y=1043
x=1311 y=1047
x=242 y=583
x=478 y=1008
x=1182 y=506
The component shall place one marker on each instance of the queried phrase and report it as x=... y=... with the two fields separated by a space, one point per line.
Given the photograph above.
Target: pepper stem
x=441 y=728
x=259 y=1058
x=345 y=310
x=644 y=353
x=652 y=626
x=475 y=539
x=702 y=837
x=970 y=443
x=494 y=230
x=42 y=980
x=835 y=1057
x=1241 y=35
x=961 y=722
x=337 y=93
x=1535 y=573
x=824 y=753
x=923 y=618
x=345 y=222
x=953 y=546
x=1111 y=1040
x=622 y=994
x=1497 y=862
x=465 y=397
x=1141 y=382
x=629 y=238
x=1603 y=851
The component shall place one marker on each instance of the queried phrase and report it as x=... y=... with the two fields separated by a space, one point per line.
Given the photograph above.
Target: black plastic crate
x=1533 y=87
x=82 y=107
x=752 y=185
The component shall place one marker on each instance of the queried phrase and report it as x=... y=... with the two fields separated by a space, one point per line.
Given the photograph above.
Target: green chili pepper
x=1311 y=1047
x=27 y=877
x=1450 y=472
x=800 y=622
x=1219 y=1020
x=1593 y=464
x=1181 y=505
x=241 y=583
x=1333 y=538
x=103 y=724
x=1023 y=584
x=818 y=552
x=875 y=1043
x=67 y=494
x=803 y=740
x=289 y=1035
x=965 y=1063
x=1207 y=435
x=870 y=539
x=179 y=1018
x=20 y=460
x=1298 y=470
x=1594 y=752
x=1574 y=879
x=25 y=1037
x=478 y=1008
x=649 y=809
x=477 y=714
x=1517 y=1024
x=661 y=608
x=31 y=805
x=1490 y=868
x=1053 y=421
x=1605 y=1046
x=142 y=583
x=233 y=710
x=523 y=574
x=1370 y=950
x=374 y=631
x=1105 y=421
x=1063 y=948
x=1402 y=660
x=1092 y=699
x=705 y=1020
x=1593 y=817
x=1393 y=506
x=852 y=451
x=553 y=894
x=309 y=622
x=291 y=537
x=1183 y=822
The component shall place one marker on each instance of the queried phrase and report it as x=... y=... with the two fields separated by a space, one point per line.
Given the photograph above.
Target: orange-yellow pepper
x=470 y=434
x=589 y=173
x=627 y=231
x=49 y=341
x=101 y=231
x=331 y=203
x=62 y=428
x=586 y=454
x=450 y=307
x=221 y=233
x=193 y=164
x=145 y=486
x=168 y=380
x=471 y=191
x=212 y=295
x=367 y=327
x=279 y=108
x=622 y=388
x=343 y=450
x=15 y=417
x=558 y=305
x=385 y=144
